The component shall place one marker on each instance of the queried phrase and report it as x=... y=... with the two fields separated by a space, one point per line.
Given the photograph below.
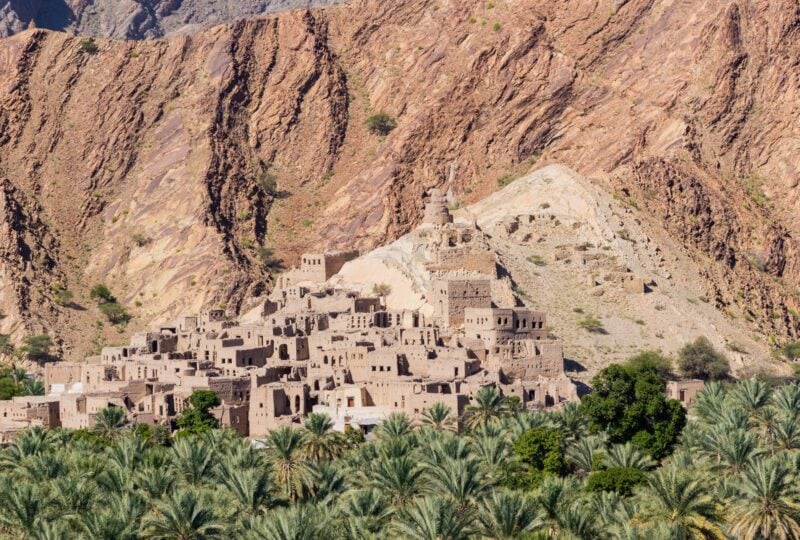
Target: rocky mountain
x=134 y=19
x=162 y=167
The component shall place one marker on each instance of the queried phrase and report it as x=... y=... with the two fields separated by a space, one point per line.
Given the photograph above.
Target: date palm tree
x=108 y=421
x=489 y=407
x=182 y=516
x=766 y=505
x=492 y=451
x=787 y=434
x=395 y=426
x=398 y=478
x=21 y=509
x=751 y=395
x=786 y=400
x=710 y=402
x=320 y=441
x=627 y=455
x=302 y=522
x=460 y=479
x=31 y=442
x=678 y=499
x=571 y=422
x=432 y=518
x=439 y=416
x=117 y=519
x=585 y=452
x=323 y=482
x=192 y=460
x=735 y=448
x=508 y=514
x=251 y=488
x=284 y=452
x=367 y=512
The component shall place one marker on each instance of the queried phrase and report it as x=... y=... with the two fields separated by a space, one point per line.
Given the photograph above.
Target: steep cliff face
x=162 y=167
x=135 y=19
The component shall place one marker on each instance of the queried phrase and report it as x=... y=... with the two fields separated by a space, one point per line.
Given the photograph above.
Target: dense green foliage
x=381 y=123
x=14 y=382
x=628 y=403
x=197 y=418
x=620 y=480
x=700 y=360
x=734 y=474
x=108 y=305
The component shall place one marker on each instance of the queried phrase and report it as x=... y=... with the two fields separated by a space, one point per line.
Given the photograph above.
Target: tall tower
x=436 y=212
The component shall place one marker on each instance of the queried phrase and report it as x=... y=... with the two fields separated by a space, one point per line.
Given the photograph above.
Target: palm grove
x=625 y=463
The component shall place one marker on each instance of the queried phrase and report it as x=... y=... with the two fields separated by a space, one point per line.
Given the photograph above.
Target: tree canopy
x=628 y=404
x=700 y=360
x=197 y=417
x=734 y=474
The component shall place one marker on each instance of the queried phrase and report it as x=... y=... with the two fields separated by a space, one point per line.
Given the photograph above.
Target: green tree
x=489 y=407
x=433 y=518
x=542 y=449
x=108 y=421
x=381 y=123
x=197 y=417
x=321 y=443
x=182 y=516
x=700 y=360
x=650 y=360
x=285 y=449
x=439 y=416
x=102 y=294
x=620 y=480
x=6 y=346
x=678 y=500
x=631 y=406
x=114 y=312
x=37 y=347
x=766 y=504
x=506 y=515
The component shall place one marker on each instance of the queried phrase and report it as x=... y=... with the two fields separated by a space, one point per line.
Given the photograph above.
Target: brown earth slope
x=149 y=165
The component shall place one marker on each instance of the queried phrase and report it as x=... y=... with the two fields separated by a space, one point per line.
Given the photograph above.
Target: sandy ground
x=567 y=264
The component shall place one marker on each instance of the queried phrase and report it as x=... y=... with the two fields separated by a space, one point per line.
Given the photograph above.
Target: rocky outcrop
x=134 y=19
x=162 y=167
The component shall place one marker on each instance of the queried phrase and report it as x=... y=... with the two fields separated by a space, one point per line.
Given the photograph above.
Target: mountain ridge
x=252 y=134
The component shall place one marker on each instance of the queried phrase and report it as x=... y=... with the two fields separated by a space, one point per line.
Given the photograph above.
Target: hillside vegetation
x=589 y=471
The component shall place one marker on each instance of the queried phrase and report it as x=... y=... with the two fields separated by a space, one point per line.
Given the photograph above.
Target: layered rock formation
x=162 y=167
x=135 y=19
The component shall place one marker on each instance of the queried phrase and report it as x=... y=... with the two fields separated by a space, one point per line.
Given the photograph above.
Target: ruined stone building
x=317 y=347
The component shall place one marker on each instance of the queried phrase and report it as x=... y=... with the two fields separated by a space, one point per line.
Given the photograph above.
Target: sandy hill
x=573 y=251
x=162 y=167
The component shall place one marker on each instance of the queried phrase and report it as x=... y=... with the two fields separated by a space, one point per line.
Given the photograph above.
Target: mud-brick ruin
x=318 y=345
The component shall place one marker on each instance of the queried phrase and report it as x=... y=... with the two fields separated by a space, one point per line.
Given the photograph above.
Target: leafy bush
x=273 y=264
x=89 y=46
x=114 y=312
x=101 y=293
x=63 y=297
x=591 y=324
x=197 y=417
x=6 y=346
x=700 y=360
x=650 y=360
x=36 y=347
x=382 y=289
x=620 y=480
x=140 y=239
x=542 y=449
x=381 y=124
x=791 y=350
